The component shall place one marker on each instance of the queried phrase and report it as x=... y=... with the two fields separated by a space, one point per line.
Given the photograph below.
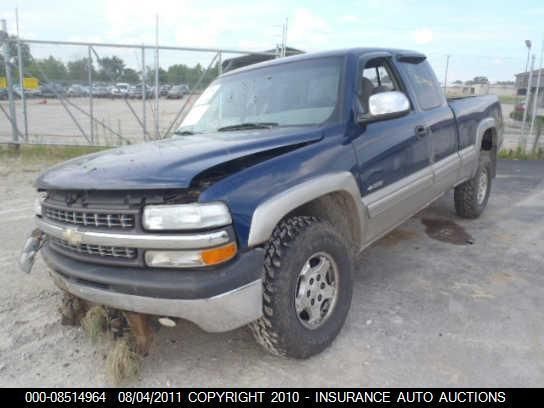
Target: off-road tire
x=466 y=194
x=293 y=242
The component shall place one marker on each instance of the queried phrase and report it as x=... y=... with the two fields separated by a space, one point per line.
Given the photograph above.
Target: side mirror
x=385 y=105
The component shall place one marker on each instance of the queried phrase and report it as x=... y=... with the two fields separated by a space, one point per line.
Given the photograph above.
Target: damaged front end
x=31 y=248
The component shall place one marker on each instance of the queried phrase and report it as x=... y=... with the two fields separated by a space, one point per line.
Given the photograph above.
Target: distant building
x=480 y=89
x=522 y=81
x=244 y=60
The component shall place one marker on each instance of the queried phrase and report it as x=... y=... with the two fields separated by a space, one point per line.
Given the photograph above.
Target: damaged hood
x=170 y=163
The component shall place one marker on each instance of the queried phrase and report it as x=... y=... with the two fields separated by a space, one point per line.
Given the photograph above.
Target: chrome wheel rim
x=482 y=186
x=317 y=290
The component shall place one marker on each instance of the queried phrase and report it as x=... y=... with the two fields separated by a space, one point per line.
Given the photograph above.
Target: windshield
x=293 y=94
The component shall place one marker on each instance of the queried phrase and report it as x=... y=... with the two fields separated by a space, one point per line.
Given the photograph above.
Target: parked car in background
x=135 y=91
x=100 y=91
x=120 y=90
x=77 y=90
x=163 y=89
x=51 y=90
x=178 y=91
x=3 y=94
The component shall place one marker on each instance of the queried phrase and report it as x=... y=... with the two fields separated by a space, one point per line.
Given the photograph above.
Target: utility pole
x=523 y=140
x=535 y=97
x=21 y=74
x=528 y=44
x=446 y=74
x=5 y=37
x=285 y=37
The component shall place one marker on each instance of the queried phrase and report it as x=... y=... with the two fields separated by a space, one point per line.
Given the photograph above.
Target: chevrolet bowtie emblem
x=72 y=236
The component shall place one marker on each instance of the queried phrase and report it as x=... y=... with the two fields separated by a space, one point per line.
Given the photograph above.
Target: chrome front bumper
x=220 y=313
x=77 y=235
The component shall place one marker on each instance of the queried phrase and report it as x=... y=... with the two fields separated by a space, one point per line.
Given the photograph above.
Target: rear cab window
x=427 y=90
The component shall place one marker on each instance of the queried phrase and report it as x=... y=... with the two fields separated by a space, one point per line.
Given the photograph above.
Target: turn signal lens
x=220 y=254
x=192 y=258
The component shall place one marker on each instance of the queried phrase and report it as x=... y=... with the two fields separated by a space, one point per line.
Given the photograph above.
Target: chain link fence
x=79 y=93
x=76 y=93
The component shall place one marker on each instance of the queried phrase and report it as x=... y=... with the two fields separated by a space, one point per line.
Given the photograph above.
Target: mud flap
x=31 y=248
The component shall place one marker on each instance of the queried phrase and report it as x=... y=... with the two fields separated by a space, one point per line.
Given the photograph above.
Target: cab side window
x=429 y=95
x=376 y=77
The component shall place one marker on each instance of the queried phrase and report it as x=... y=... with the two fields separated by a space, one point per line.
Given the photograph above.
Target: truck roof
x=332 y=53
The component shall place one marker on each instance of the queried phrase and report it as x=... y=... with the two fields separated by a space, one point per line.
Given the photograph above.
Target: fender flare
x=269 y=213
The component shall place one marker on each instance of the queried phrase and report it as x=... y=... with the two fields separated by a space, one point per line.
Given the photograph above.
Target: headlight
x=38 y=203
x=186 y=216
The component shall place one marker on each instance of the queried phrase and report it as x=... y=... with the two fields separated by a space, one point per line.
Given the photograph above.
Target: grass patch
x=122 y=362
x=519 y=154
x=95 y=323
x=46 y=153
x=510 y=99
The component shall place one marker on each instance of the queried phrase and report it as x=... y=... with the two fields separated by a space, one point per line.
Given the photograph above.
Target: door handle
x=421 y=131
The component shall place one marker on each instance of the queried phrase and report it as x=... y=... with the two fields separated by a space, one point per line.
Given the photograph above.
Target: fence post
x=21 y=75
x=523 y=141
x=91 y=108
x=144 y=121
x=157 y=131
x=12 y=113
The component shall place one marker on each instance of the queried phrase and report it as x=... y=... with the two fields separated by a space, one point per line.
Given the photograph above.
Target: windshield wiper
x=185 y=132
x=249 y=125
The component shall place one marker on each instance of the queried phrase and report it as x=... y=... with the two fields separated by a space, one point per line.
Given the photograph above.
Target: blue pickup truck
x=253 y=212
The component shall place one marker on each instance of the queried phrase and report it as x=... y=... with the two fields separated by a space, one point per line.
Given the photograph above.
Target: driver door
x=395 y=176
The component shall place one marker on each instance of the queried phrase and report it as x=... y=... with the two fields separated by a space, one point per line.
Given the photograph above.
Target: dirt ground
x=438 y=302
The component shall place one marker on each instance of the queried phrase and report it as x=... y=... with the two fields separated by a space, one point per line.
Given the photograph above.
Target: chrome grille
x=96 y=250
x=89 y=218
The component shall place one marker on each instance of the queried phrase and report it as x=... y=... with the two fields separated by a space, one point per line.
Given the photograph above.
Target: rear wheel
x=307 y=288
x=471 y=196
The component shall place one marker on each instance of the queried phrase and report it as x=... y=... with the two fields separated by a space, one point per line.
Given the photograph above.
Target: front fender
x=267 y=215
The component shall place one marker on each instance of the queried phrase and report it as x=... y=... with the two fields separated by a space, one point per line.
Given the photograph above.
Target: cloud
x=308 y=30
x=349 y=19
x=423 y=36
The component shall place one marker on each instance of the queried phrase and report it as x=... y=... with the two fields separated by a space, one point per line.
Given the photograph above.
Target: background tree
x=50 y=68
x=131 y=76
x=111 y=68
x=26 y=57
x=78 y=70
x=478 y=80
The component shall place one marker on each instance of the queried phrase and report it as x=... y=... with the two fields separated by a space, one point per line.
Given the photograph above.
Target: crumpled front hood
x=170 y=163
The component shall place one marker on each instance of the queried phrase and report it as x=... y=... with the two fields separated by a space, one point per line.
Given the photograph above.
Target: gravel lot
x=50 y=123
x=429 y=308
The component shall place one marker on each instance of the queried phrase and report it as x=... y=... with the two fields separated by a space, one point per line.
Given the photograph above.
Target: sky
x=482 y=37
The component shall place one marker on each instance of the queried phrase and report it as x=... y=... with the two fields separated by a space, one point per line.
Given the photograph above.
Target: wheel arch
x=333 y=197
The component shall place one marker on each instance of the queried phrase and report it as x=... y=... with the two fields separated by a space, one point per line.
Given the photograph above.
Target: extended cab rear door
x=436 y=117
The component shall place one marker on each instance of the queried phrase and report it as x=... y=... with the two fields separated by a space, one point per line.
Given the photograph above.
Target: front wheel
x=307 y=288
x=471 y=196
